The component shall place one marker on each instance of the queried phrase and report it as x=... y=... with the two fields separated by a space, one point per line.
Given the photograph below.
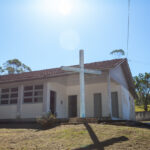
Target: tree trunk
x=145 y=104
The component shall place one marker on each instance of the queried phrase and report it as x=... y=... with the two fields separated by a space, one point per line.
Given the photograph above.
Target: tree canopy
x=14 y=66
x=142 y=86
x=118 y=53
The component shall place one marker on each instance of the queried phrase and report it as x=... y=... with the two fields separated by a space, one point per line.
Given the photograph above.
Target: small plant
x=46 y=120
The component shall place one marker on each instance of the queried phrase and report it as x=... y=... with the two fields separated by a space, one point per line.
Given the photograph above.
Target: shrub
x=47 y=120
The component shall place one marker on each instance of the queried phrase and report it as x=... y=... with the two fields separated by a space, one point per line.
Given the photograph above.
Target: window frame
x=33 y=94
x=9 y=99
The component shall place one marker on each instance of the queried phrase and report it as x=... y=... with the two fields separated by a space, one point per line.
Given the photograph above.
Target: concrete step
x=83 y=120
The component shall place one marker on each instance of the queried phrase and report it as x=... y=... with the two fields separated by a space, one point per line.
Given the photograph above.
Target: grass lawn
x=90 y=136
x=141 y=108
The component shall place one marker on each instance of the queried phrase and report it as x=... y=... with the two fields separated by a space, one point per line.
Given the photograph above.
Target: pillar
x=20 y=101
x=109 y=93
x=46 y=99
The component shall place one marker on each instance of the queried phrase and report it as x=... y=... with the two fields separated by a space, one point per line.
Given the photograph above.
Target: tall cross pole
x=82 y=90
x=82 y=70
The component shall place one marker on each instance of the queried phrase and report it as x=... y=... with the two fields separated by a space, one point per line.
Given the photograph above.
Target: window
x=9 y=96
x=33 y=93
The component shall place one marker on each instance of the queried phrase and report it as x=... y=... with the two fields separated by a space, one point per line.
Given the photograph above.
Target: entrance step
x=83 y=120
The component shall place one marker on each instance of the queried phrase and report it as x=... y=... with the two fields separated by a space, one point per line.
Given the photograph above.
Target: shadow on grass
x=38 y=127
x=19 y=125
x=34 y=126
x=97 y=144
x=134 y=124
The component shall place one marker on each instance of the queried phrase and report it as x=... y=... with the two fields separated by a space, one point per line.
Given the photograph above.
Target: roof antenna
x=128 y=31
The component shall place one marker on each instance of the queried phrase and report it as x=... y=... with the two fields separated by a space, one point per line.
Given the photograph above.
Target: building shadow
x=97 y=144
x=20 y=126
x=38 y=127
x=27 y=124
x=34 y=126
x=135 y=124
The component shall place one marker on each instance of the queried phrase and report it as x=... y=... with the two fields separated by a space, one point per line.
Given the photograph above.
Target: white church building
x=32 y=94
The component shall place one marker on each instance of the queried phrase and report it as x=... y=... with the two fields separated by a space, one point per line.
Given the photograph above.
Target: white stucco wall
x=31 y=110
x=117 y=88
x=60 y=89
x=64 y=86
x=132 y=108
x=125 y=103
x=118 y=75
x=126 y=98
x=90 y=89
x=28 y=110
x=8 y=111
x=89 y=97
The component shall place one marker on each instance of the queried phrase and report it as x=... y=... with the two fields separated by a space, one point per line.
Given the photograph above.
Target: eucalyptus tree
x=1 y=70
x=142 y=86
x=14 y=66
x=118 y=53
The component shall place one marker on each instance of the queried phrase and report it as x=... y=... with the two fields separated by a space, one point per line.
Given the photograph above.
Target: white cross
x=81 y=70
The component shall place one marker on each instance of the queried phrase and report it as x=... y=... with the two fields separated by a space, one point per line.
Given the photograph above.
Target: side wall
x=126 y=98
x=125 y=103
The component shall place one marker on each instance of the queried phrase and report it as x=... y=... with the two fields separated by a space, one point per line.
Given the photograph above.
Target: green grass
x=140 y=108
x=76 y=136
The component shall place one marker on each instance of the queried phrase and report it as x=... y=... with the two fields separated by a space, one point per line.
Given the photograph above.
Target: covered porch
x=102 y=96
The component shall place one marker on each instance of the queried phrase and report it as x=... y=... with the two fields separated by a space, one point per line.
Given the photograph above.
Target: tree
x=1 y=70
x=142 y=86
x=118 y=53
x=14 y=66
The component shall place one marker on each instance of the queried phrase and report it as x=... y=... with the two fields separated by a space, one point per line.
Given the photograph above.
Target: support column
x=82 y=90
x=109 y=93
x=20 y=101
x=0 y=95
x=46 y=99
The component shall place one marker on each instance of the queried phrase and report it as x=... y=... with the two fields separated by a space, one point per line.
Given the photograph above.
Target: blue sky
x=49 y=33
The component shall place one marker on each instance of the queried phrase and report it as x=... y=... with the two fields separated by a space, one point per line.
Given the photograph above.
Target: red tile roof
x=55 y=72
x=48 y=73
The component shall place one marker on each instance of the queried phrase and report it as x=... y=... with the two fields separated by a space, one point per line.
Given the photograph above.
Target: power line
x=128 y=26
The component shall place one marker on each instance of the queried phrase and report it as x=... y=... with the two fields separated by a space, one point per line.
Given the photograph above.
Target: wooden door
x=53 y=102
x=72 y=106
x=97 y=105
x=114 y=102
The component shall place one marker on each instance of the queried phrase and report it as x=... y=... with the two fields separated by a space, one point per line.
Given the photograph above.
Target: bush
x=47 y=120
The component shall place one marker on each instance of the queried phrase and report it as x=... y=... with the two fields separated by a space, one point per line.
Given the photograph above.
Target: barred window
x=9 y=96
x=33 y=93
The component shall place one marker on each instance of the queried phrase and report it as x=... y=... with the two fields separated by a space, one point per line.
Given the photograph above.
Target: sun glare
x=65 y=7
x=62 y=7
